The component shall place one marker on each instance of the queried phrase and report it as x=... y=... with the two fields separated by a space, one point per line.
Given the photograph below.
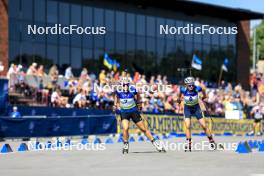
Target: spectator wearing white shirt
x=68 y=73
x=56 y=98
x=80 y=100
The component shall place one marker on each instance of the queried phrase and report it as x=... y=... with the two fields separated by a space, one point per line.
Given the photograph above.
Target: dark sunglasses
x=190 y=85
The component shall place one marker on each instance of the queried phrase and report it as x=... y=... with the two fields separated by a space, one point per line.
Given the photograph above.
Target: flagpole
x=220 y=76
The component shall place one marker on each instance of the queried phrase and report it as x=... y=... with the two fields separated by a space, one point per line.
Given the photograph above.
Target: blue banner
x=54 y=126
x=3 y=95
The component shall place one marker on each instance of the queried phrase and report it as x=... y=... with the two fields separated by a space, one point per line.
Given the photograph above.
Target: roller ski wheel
x=125 y=148
x=125 y=151
x=162 y=150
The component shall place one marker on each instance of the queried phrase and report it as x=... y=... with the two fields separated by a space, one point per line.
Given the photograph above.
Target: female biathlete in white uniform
x=190 y=94
x=129 y=104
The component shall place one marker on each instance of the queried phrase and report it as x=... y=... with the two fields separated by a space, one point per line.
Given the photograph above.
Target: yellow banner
x=173 y=123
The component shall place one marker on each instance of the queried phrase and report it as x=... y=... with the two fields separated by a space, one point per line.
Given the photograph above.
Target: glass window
x=151 y=26
x=170 y=46
x=98 y=17
x=87 y=16
x=160 y=21
x=120 y=21
x=26 y=48
x=14 y=29
x=188 y=47
x=99 y=41
x=141 y=25
x=130 y=42
x=141 y=43
x=52 y=53
x=87 y=58
x=170 y=23
x=223 y=40
x=76 y=39
x=24 y=31
x=179 y=24
x=64 y=14
x=64 y=55
x=87 y=21
x=76 y=57
x=14 y=51
x=215 y=38
x=39 y=51
x=52 y=38
x=120 y=41
x=130 y=23
x=151 y=44
x=109 y=20
x=39 y=10
x=197 y=37
x=26 y=9
x=14 y=9
x=52 y=16
x=110 y=41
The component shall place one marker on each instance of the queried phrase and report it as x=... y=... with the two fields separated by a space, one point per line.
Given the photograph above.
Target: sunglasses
x=190 y=85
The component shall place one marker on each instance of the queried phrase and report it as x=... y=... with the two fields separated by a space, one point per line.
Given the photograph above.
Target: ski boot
x=158 y=146
x=188 y=145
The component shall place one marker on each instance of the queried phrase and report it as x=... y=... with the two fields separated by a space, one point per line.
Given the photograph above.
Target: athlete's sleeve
x=182 y=90
x=199 y=89
x=133 y=90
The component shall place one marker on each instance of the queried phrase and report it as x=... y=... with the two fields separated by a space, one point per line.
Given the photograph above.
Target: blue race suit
x=128 y=106
x=191 y=102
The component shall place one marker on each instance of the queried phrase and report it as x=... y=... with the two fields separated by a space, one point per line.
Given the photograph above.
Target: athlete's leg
x=144 y=129
x=125 y=125
x=187 y=122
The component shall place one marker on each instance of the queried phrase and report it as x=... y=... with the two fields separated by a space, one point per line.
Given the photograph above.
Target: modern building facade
x=132 y=36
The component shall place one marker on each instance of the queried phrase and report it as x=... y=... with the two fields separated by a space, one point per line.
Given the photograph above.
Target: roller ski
x=158 y=146
x=125 y=148
x=188 y=145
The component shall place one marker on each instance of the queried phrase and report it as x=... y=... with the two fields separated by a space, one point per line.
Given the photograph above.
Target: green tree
x=259 y=40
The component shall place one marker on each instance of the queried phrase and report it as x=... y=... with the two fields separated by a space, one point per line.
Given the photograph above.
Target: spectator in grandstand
x=15 y=113
x=32 y=70
x=12 y=70
x=57 y=100
x=54 y=74
x=40 y=71
x=80 y=100
x=102 y=77
x=68 y=73
x=84 y=74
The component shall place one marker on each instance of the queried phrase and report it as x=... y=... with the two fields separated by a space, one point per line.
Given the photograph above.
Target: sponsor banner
x=172 y=123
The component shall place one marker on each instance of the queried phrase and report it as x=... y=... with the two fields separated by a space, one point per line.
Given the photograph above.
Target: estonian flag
x=225 y=65
x=196 y=63
x=108 y=62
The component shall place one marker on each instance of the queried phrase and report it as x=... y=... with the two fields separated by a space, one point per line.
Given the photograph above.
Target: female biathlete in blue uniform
x=190 y=94
x=128 y=102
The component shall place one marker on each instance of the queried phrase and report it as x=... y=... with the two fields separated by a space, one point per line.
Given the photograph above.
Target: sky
x=253 y=5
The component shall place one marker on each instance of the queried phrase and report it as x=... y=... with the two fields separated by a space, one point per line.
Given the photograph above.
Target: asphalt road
x=141 y=160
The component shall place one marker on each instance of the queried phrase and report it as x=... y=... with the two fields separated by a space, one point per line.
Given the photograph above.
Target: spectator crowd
x=79 y=91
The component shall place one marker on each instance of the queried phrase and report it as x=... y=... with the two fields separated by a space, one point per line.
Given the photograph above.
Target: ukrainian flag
x=108 y=62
